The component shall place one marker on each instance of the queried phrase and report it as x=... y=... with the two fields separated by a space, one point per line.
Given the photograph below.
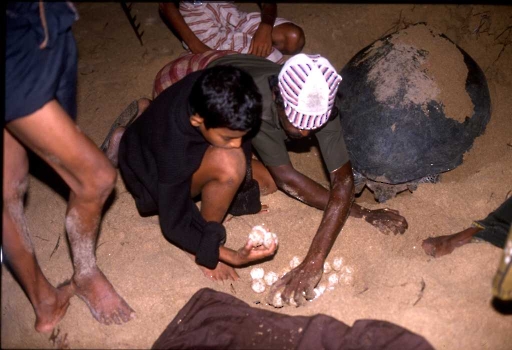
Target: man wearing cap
x=298 y=101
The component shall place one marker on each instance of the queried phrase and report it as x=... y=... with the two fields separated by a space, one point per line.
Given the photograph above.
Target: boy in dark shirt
x=187 y=143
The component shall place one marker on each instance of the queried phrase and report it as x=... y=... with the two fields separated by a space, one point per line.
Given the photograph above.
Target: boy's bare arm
x=246 y=254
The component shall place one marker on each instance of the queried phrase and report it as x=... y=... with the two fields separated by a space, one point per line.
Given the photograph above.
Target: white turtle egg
x=327 y=267
x=268 y=237
x=270 y=278
x=277 y=301
x=347 y=270
x=346 y=275
x=333 y=279
x=319 y=290
x=347 y=278
x=258 y=285
x=257 y=235
x=257 y=273
x=295 y=262
x=337 y=264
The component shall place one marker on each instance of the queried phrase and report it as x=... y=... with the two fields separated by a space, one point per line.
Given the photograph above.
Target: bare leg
x=112 y=150
x=444 y=245
x=55 y=138
x=262 y=176
x=288 y=38
x=49 y=303
x=218 y=178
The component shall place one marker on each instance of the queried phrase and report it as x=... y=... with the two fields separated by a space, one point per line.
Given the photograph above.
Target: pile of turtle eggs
x=334 y=273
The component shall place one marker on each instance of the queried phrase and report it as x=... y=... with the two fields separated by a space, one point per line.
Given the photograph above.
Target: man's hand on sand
x=387 y=221
x=296 y=287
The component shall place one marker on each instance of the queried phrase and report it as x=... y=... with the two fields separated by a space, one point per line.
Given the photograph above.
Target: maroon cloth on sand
x=214 y=319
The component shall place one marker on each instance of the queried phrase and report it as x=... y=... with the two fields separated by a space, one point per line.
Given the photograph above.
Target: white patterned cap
x=308 y=85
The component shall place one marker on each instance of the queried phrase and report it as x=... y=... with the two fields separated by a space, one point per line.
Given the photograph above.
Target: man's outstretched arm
x=297 y=285
x=312 y=193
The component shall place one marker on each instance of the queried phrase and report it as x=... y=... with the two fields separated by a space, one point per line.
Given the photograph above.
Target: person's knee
x=294 y=39
x=99 y=187
x=14 y=191
x=234 y=169
x=230 y=166
x=106 y=181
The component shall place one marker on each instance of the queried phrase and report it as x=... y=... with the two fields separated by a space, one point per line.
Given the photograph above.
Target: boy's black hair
x=227 y=97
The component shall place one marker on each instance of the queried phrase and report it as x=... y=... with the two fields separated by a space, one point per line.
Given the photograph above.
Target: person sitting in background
x=493 y=229
x=204 y=26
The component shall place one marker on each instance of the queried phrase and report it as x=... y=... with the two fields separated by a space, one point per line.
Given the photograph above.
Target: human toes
x=127 y=316
x=384 y=229
x=118 y=317
x=398 y=230
x=103 y=319
x=299 y=298
x=310 y=293
x=115 y=318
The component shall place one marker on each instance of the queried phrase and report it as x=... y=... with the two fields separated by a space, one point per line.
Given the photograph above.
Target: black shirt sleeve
x=159 y=153
x=182 y=224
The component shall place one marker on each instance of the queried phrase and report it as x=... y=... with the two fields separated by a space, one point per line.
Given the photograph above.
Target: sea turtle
x=411 y=105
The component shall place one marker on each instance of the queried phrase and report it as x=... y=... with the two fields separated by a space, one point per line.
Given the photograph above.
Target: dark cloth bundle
x=213 y=320
x=496 y=225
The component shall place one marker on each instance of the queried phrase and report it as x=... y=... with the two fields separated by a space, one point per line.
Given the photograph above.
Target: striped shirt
x=222 y=26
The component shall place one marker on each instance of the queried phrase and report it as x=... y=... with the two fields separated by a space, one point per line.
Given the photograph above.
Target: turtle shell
x=411 y=105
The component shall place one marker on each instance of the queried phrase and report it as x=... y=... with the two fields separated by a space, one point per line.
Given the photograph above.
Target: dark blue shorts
x=35 y=76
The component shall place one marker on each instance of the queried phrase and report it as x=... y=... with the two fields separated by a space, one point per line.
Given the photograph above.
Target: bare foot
x=444 y=245
x=105 y=304
x=50 y=312
x=112 y=151
x=221 y=273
